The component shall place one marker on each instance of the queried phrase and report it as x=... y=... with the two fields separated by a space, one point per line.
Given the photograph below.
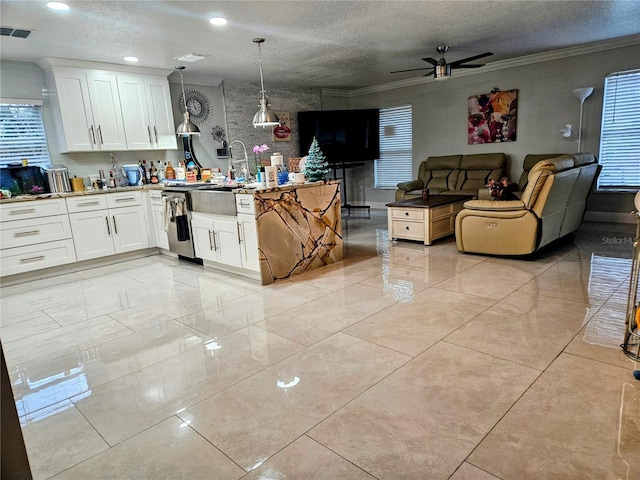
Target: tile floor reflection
x=401 y=362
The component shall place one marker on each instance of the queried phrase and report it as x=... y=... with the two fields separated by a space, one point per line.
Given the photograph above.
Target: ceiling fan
x=441 y=69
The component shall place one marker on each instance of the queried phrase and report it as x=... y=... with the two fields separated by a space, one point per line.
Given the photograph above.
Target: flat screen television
x=343 y=135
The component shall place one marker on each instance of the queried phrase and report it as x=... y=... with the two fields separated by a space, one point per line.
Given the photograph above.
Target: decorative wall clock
x=197 y=106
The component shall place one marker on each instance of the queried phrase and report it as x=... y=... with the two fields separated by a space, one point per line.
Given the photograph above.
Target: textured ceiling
x=336 y=44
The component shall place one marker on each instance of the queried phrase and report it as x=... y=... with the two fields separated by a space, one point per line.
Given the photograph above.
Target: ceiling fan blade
x=429 y=74
x=470 y=59
x=469 y=65
x=412 y=70
x=432 y=61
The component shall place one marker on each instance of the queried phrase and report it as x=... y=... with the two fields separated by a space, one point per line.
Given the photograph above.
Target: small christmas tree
x=316 y=165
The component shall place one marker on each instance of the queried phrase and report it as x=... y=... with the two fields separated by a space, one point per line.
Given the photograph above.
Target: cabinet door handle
x=100 y=135
x=407 y=228
x=87 y=204
x=93 y=136
x=239 y=234
x=155 y=131
x=406 y=213
x=108 y=227
x=115 y=225
x=125 y=199
x=32 y=259
x=210 y=241
x=215 y=243
x=244 y=203
x=25 y=234
x=149 y=132
x=22 y=212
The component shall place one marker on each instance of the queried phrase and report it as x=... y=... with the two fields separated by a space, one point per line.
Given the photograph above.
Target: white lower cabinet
x=157 y=217
x=34 y=257
x=34 y=235
x=99 y=231
x=106 y=232
x=248 y=242
x=216 y=238
x=92 y=234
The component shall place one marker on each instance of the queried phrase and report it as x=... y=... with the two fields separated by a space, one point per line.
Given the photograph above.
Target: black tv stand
x=345 y=166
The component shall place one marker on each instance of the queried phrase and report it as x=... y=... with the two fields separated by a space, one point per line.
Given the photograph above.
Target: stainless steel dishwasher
x=179 y=203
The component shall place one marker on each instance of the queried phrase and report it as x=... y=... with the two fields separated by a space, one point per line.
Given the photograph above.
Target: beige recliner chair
x=552 y=205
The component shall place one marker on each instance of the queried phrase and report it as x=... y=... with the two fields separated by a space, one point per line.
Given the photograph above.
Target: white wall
x=204 y=146
x=545 y=104
x=25 y=80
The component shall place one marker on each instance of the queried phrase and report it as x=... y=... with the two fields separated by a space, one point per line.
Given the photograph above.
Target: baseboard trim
x=609 y=217
x=377 y=205
x=74 y=267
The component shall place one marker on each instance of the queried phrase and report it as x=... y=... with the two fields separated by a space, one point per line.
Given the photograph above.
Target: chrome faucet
x=244 y=162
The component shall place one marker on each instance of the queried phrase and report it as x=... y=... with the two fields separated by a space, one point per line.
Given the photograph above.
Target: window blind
x=620 y=132
x=395 y=162
x=22 y=135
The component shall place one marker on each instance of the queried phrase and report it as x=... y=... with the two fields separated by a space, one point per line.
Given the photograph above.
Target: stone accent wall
x=242 y=102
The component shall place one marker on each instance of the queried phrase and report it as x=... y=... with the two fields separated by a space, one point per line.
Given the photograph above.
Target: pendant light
x=186 y=127
x=264 y=117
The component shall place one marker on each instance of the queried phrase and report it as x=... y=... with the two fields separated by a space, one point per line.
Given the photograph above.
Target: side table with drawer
x=422 y=220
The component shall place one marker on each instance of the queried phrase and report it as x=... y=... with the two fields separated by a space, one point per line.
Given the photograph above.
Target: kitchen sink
x=221 y=188
x=218 y=200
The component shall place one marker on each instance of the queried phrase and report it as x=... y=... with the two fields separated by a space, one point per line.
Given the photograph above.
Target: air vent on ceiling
x=191 y=57
x=14 y=32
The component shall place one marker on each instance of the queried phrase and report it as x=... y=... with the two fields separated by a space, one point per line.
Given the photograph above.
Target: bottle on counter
x=193 y=171
x=147 y=173
x=160 y=172
x=103 y=180
x=260 y=174
x=170 y=173
x=112 y=180
x=181 y=173
x=153 y=174
x=143 y=175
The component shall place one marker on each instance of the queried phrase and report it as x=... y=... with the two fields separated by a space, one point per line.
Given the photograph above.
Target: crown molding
x=48 y=63
x=499 y=65
x=204 y=80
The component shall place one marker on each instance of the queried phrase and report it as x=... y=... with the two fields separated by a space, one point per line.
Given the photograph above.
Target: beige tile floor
x=401 y=362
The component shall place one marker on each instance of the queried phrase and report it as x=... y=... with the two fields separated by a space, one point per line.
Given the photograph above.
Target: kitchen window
x=22 y=133
x=620 y=132
x=396 y=158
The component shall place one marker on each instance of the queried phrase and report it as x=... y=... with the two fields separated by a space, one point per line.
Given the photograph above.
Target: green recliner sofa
x=454 y=175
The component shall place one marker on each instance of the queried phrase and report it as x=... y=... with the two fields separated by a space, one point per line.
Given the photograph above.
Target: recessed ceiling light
x=58 y=6
x=130 y=59
x=218 y=21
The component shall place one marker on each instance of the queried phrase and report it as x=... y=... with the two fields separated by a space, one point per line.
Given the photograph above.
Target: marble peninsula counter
x=299 y=228
x=278 y=232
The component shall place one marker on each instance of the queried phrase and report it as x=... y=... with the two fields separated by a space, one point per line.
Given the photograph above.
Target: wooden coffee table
x=426 y=221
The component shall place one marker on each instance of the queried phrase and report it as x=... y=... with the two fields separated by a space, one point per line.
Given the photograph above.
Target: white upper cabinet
x=99 y=109
x=135 y=112
x=160 y=112
x=107 y=114
x=146 y=109
x=88 y=110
